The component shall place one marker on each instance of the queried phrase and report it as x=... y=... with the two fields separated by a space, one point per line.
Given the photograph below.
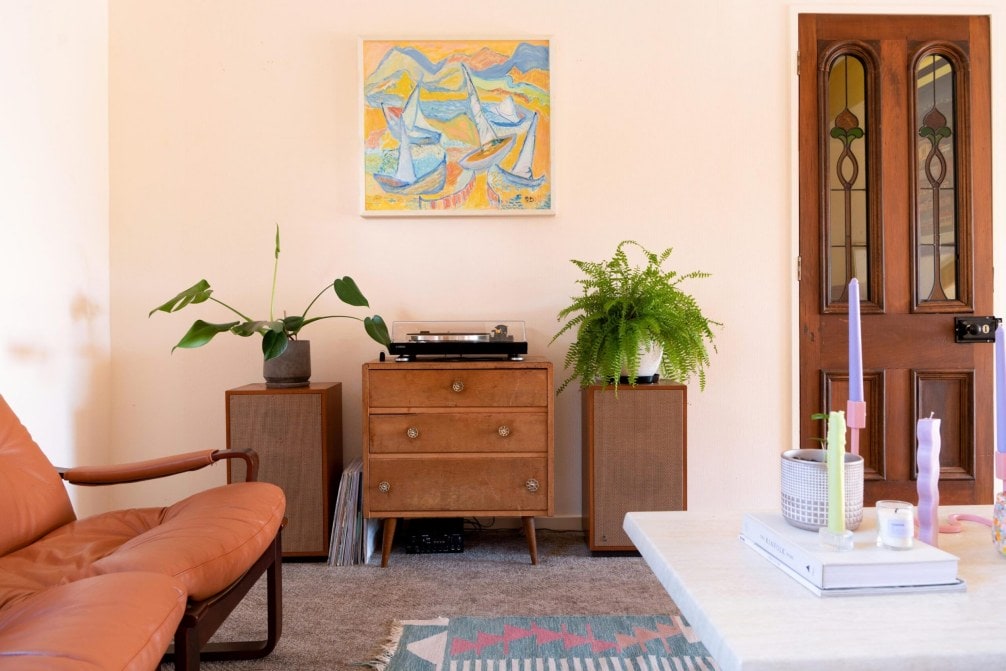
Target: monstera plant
x=276 y=332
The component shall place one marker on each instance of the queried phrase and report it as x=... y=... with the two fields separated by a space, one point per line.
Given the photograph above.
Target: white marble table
x=752 y=616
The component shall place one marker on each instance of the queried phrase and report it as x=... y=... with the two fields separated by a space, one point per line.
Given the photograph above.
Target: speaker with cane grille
x=297 y=433
x=634 y=457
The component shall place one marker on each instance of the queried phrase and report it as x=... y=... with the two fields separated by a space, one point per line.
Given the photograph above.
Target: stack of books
x=867 y=569
x=353 y=538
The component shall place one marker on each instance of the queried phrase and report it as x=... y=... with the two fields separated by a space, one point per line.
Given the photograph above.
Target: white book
x=956 y=586
x=865 y=566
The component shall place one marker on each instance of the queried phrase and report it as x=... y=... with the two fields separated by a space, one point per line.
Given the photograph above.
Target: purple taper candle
x=855 y=344
x=1000 y=387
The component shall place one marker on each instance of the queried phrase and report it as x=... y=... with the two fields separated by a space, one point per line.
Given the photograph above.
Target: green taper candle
x=836 y=472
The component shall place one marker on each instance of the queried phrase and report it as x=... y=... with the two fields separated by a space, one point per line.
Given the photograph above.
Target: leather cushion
x=207 y=541
x=32 y=496
x=121 y=621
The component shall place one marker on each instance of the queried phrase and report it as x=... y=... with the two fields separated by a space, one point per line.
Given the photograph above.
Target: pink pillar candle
x=928 y=459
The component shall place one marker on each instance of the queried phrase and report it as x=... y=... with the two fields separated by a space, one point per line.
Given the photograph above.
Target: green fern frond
x=621 y=307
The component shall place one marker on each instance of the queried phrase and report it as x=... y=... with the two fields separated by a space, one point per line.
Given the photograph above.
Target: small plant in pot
x=287 y=358
x=804 y=485
x=627 y=310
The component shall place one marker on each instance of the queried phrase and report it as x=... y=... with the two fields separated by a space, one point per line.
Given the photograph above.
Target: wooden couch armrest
x=157 y=468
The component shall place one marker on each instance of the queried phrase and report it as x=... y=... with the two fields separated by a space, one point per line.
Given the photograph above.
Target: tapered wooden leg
x=532 y=543
x=389 y=535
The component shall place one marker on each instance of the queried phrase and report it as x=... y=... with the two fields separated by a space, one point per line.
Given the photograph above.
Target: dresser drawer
x=466 y=485
x=450 y=432
x=458 y=387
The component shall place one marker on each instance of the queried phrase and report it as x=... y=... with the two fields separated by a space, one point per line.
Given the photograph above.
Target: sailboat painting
x=456 y=127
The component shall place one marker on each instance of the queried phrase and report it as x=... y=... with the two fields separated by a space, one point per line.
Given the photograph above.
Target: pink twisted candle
x=928 y=458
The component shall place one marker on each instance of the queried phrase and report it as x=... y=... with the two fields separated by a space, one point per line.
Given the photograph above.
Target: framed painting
x=456 y=127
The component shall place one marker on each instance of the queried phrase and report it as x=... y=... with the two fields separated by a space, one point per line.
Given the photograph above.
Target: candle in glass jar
x=895 y=525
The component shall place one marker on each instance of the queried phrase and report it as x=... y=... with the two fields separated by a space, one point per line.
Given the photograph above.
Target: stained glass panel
x=847 y=169
x=936 y=190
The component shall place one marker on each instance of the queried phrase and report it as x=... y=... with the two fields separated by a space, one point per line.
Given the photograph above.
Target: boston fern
x=623 y=309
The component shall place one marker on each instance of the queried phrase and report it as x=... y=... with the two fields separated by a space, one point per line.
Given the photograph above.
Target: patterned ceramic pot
x=805 y=489
x=999 y=524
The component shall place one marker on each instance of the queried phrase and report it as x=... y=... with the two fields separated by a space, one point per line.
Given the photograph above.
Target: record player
x=458 y=340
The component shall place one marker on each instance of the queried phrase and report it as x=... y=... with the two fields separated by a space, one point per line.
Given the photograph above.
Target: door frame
x=997 y=38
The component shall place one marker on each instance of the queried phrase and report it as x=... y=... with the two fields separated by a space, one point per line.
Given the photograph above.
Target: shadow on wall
x=59 y=385
x=91 y=380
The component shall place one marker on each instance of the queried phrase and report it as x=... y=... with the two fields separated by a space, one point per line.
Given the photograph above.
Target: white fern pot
x=805 y=489
x=650 y=355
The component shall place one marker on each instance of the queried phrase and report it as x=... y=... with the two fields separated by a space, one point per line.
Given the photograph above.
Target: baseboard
x=554 y=523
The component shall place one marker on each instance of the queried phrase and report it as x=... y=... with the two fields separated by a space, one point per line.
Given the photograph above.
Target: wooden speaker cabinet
x=298 y=436
x=634 y=457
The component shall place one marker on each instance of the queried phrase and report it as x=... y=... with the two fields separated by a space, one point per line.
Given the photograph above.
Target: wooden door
x=895 y=190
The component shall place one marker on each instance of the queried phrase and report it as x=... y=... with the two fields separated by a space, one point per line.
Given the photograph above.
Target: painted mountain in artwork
x=445 y=75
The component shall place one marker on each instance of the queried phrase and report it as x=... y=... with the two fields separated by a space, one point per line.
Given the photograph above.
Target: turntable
x=458 y=340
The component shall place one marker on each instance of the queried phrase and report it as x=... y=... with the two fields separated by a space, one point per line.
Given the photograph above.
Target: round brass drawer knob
x=503 y=431
x=458 y=386
x=531 y=485
x=384 y=486
x=412 y=432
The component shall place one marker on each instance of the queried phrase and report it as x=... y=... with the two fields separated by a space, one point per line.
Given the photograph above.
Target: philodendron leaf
x=273 y=344
x=201 y=333
x=294 y=324
x=197 y=293
x=349 y=293
x=245 y=329
x=377 y=329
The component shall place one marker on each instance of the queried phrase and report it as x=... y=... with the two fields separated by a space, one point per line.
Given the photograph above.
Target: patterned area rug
x=552 y=643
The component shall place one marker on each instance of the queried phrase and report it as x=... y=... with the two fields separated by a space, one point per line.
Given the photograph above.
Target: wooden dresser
x=458 y=439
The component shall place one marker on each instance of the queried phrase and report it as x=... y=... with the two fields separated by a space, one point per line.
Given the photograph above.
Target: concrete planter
x=805 y=489
x=292 y=368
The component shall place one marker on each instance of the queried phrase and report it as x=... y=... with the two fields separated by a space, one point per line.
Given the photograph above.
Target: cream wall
x=673 y=125
x=54 y=263
x=227 y=118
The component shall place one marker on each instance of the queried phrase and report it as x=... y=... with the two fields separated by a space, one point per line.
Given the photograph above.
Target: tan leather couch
x=114 y=590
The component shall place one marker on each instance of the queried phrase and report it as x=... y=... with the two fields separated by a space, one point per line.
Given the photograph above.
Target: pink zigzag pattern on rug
x=543 y=636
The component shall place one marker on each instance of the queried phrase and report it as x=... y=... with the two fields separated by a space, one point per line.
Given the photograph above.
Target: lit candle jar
x=895 y=525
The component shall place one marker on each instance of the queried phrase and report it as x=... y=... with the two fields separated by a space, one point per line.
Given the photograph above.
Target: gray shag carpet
x=336 y=618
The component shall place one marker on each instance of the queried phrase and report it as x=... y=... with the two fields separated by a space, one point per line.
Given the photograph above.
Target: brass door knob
x=458 y=386
x=503 y=431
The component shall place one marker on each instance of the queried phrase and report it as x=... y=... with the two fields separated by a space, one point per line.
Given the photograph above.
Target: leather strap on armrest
x=156 y=468
x=250 y=457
